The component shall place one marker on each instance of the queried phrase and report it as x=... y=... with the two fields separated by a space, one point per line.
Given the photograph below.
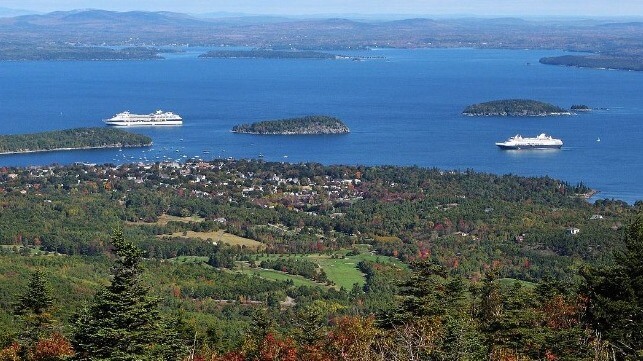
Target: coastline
x=76 y=148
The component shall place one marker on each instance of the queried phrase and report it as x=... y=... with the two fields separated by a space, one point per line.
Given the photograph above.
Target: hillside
x=345 y=249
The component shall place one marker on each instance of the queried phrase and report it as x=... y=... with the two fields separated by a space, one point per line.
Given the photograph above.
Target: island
x=280 y=54
x=514 y=108
x=580 y=108
x=312 y=124
x=268 y=54
x=71 y=139
x=619 y=62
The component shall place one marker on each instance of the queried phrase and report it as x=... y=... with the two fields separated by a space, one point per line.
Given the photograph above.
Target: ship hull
x=528 y=146
x=143 y=123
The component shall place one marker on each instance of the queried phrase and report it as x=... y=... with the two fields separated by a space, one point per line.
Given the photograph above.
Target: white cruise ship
x=543 y=141
x=126 y=119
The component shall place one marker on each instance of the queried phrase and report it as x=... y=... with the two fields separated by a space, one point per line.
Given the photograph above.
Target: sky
x=566 y=8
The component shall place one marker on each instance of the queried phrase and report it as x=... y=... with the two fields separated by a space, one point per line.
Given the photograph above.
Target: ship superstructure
x=126 y=119
x=542 y=141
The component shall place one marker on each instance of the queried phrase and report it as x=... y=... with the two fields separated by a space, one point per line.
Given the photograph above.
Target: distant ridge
x=7 y=12
x=144 y=28
x=88 y=16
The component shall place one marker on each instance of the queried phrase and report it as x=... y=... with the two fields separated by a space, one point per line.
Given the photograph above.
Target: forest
x=311 y=124
x=78 y=138
x=602 y=61
x=251 y=260
x=514 y=108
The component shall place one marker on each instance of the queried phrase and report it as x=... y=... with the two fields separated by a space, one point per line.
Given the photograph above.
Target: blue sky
x=306 y=7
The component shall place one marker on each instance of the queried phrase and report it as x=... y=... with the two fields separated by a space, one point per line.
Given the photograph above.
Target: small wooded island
x=514 y=108
x=280 y=54
x=597 y=61
x=312 y=124
x=267 y=54
x=580 y=108
x=70 y=139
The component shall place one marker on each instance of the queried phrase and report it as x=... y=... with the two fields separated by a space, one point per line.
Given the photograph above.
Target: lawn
x=343 y=271
x=278 y=276
x=219 y=236
x=164 y=219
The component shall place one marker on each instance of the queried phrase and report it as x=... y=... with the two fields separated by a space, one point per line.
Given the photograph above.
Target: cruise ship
x=543 y=141
x=126 y=119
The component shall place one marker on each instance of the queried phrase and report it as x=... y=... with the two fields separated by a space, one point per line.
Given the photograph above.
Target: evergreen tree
x=434 y=318
x=616 y=297
x=34 y=310
x=123 y=322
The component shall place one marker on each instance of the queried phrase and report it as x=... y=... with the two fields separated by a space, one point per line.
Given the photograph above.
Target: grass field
x=278 y=276
x=220 y=236
x=343 y=271
x=164 y=219
x=189 y=259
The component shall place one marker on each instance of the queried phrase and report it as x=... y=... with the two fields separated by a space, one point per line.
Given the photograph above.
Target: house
x=573 y=230
x=596 y=216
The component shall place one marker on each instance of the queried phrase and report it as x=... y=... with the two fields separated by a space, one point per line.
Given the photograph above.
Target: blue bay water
x=402 y=110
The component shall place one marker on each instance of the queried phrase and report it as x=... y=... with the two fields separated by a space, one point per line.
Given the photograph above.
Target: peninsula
x=596 y=61
x=70 y=139
x=312 y=124
x=514 y=108
x=81 y=53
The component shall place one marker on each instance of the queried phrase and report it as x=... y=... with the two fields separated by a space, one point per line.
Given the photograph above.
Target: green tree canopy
x=34 y=310
x=123 y=322
x=616 y=297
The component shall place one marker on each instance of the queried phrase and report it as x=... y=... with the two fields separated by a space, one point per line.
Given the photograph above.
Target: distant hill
x=138 y=28
x=95 y=17
x=7 y=12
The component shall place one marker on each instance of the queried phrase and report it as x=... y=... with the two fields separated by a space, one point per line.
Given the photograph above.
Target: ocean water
x=404 y=109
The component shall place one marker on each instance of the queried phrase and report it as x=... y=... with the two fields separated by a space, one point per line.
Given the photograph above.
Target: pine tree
x=616 y=297
x=34 y=310
x=123 y=322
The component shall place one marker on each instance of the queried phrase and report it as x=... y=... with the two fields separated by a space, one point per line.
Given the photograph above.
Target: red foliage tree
x=10 y=353
x=53 y=348
x=275 y=349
